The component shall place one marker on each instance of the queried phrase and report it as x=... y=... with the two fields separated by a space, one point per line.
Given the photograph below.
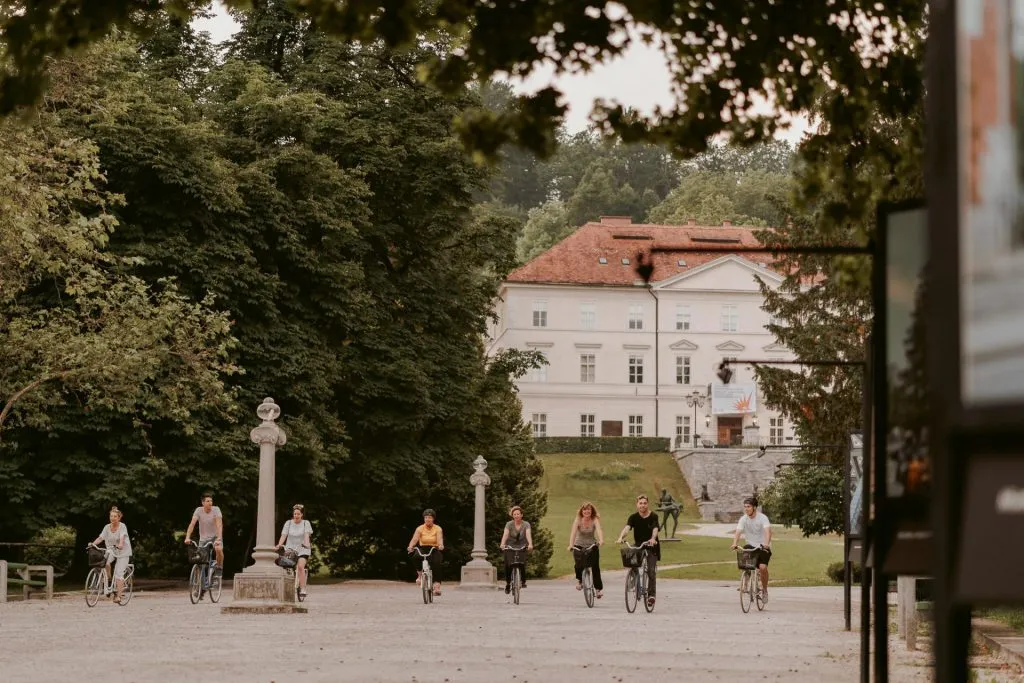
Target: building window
x=682 y=369
x=683 y=429
x=587 y=424
x=636 y=369
x=775 y=427
x=540 y=374
x=588 y=315
x=540 y=313
x=587 y=368
x=636 y=425
x=682 y=317
x=540 y=424
x=730 y=318
x=636 y=316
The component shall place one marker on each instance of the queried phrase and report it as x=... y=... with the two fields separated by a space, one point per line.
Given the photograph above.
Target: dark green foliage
x=808 y=497
x=61 y=540
x=602 y=444
x=837 y=573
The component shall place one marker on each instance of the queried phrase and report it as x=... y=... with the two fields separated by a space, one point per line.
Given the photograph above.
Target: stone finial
x=268 y=431
x=479 y=476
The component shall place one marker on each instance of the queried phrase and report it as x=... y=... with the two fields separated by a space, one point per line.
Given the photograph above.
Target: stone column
x=478 y=572
x=263 y=587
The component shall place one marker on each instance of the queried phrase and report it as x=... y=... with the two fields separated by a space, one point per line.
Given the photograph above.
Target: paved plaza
x=381 y=631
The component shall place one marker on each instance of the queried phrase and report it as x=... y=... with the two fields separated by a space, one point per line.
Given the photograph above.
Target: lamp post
x=695 y=400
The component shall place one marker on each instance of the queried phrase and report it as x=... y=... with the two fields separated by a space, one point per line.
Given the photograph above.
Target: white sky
x=638 y=78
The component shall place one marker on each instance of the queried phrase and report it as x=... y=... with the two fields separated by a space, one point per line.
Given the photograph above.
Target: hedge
x=602 y=444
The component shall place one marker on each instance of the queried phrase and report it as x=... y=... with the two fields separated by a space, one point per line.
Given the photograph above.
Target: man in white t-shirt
x=211 y=527
x=757 y=531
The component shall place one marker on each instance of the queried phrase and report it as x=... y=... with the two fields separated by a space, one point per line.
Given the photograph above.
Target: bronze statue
x=668 y=506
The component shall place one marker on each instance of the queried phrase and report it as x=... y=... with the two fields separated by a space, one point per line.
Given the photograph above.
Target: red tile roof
x=576 y=259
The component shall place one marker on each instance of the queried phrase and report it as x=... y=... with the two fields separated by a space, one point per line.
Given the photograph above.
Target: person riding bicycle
x=429 y=535
x=644 y=524
x=118 y=549
x=586 y=531
x=757 y=531
x=295 y=536
x=211 y=527
x=517 y=535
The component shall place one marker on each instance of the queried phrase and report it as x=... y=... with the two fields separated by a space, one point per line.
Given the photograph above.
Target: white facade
x=610 y=362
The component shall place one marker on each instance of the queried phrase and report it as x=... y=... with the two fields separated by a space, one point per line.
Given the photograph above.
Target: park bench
x=23 y=577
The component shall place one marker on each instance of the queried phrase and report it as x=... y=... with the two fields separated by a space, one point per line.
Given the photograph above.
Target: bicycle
x=751 y=590
x=514 y=557
x=634 y=559
x=99 y=582
x=582 y=556
x=205 y=576
x=427 y=576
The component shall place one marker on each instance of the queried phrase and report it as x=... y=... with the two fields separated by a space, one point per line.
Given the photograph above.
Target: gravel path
x=381 y=631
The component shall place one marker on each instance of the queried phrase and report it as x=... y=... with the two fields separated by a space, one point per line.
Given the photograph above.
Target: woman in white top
x=295 y=536
x=119 y=549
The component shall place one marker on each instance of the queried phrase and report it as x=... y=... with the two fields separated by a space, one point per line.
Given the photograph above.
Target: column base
x=263 y=594
x=479 y=574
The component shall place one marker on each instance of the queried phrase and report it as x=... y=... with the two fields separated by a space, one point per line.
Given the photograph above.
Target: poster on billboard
x=733 y=399
x=990 y=35
x=855 y=481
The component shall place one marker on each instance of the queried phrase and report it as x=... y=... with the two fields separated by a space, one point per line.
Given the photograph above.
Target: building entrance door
x=730 y=431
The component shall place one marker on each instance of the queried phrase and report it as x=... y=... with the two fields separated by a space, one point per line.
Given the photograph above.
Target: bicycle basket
x=197 y=555
x=97 y=558
x=581 y=558
x=746 y=559
x=288 y=559
x=631 y=557
x=514 y=556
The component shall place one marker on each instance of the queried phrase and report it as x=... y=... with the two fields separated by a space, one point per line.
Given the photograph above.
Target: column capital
x=268 y=431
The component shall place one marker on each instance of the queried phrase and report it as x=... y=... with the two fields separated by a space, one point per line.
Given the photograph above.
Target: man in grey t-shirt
x=211 y=526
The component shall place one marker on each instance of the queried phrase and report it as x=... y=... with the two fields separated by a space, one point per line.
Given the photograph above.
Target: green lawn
x=611 y=481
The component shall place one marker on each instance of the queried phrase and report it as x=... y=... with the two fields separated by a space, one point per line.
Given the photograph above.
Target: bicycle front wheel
x=746 y=594
x=588 y=586
x=93 y=586
x=216 y=584
x=195 y=583
x=631 y=587
x=759 y=591
x=516 y=581
x=428 y=590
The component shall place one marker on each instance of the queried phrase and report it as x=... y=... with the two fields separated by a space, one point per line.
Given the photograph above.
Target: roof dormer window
x=603 y=261
x=681 y=263
x=625 y=261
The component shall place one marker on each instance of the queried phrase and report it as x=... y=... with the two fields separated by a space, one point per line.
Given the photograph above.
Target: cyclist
x=429 y=535
x=517 y=536
x=586 y=531
x=644 y=524
x=295 y=536
x=118 y=547
x=211 y=527
x=757 y=531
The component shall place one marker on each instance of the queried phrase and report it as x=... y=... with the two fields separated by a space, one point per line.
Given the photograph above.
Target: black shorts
x=764 y=555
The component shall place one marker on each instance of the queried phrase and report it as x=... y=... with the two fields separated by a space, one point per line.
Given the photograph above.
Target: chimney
x=691 y=222
x=616 y=220
x=726 y=224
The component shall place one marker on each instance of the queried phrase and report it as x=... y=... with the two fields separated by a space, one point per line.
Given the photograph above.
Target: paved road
x=378 y=631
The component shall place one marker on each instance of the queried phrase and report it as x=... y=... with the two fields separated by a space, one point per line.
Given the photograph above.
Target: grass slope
x=611 y=481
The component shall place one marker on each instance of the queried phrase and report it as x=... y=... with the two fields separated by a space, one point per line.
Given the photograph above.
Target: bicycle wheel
x=641 y=587
x=631 y=586
x=759 y=592
x=428 y=590
x=515 y=585
x=93 y=586
x=588 y=586
x=745 y=595
x=195 y=583
x=216 y=585
x=129 y=588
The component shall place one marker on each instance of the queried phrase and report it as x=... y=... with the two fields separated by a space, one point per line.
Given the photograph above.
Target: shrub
x=58 y=557
x=835 y=572
x=601 y=444
x=590 y=474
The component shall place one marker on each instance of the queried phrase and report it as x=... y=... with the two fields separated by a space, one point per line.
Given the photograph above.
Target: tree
x=751 y=197
x=547 y=225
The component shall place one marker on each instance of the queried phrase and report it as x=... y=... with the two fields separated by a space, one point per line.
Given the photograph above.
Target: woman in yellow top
x=429 y=535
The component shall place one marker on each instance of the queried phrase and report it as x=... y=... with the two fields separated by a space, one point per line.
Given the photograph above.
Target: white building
x=623 y=356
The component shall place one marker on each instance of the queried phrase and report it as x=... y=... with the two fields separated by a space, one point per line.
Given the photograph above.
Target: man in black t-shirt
x=644 y=524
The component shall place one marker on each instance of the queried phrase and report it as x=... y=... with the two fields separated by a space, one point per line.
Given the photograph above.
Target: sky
x=638 y=78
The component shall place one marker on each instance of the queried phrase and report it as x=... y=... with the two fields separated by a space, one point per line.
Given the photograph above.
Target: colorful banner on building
x=733 y=399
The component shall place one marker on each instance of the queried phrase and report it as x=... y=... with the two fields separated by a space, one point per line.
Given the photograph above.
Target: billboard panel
x=734 y=399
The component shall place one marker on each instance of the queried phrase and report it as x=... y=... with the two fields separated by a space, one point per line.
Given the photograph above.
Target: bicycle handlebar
x=420 y=552
x=582 y=549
